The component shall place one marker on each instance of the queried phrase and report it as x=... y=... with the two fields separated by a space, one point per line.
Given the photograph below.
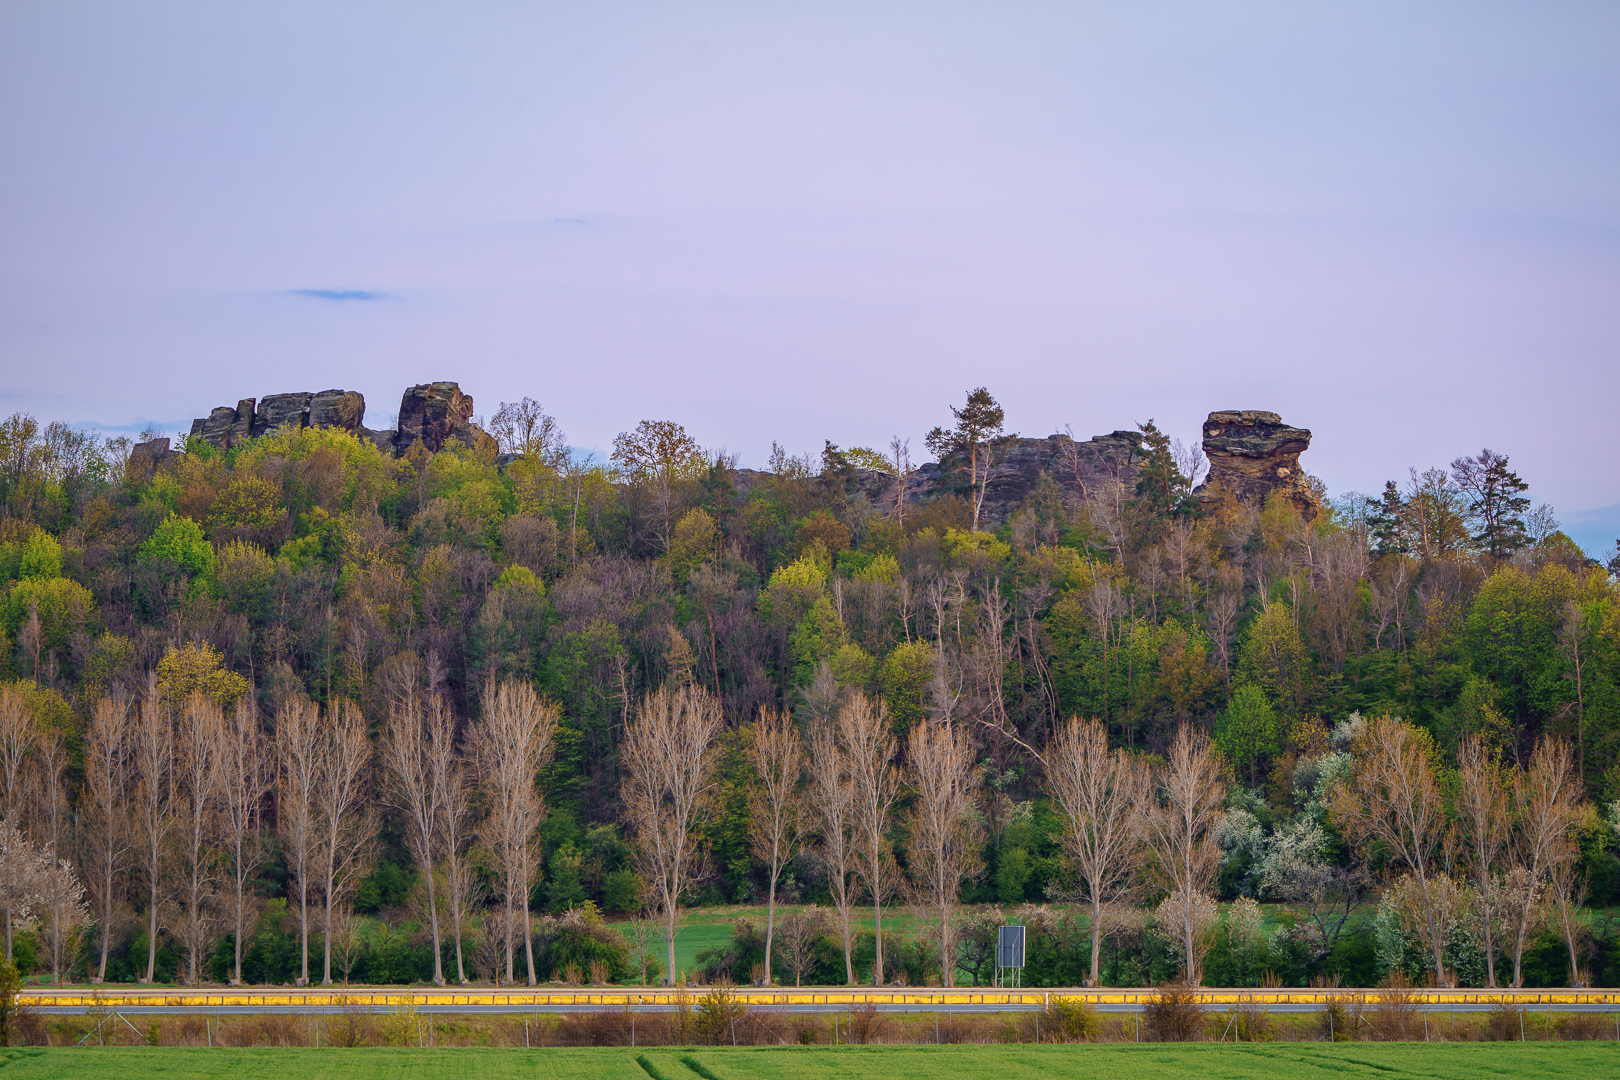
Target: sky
x=1395 y=224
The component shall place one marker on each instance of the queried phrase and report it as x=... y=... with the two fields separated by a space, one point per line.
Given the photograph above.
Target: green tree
x=179 y=543
x=1386 y=522
x=904 y=675
x=38 y=556
x=694 y=542
x=662 y=456
x=1273 y=655
x=1248 y=731
x=978 y=423
x=1496 y=503
x=1160 y=485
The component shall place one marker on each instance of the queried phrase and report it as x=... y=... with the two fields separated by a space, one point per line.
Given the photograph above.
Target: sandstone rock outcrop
x=144 y=458
x=434 y=413
x=336 y=409
x=281 y=410
x=430 y=414
x=1253 y=454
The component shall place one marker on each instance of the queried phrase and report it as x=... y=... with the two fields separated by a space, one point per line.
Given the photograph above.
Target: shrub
x=1506 y=1021
x=1174 y=1014
x=10 y=983
x=718 y=1014
x=1394 y=1008
x=1067 y=1019
x=578 y=939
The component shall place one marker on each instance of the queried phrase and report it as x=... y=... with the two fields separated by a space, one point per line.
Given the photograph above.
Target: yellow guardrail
x=541 y=999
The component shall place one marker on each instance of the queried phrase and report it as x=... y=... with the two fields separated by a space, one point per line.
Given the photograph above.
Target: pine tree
x=1496 y=506
x=1386 y=522
x=978 y=424
x=1160 y=485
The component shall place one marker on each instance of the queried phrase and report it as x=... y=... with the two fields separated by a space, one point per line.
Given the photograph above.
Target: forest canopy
x=394 y=632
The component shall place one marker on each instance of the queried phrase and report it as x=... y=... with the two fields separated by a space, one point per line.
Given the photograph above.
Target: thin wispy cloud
x=339 y=295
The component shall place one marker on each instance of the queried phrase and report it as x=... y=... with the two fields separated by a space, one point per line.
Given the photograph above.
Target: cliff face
x=430 y=414
x=1253 y=454
x=1080 y=469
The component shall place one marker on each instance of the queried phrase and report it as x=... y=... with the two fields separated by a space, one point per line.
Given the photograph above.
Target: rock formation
x=1080 y=469
x=431 y=414
x=1253 y=454
x=144 y=458
x=434 y=413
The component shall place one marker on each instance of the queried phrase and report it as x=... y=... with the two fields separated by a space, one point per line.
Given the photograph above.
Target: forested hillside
x=255 y=691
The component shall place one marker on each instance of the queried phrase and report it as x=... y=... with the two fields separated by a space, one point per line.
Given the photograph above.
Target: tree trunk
x=849 y=960
x=770 y=925
x=455 y=919
x=303 y=932
x=877 y=931
x=151 y=943
x=1096 y=942
x=326 y=937
x=511 y=943
x=433 y=919
x=669 y=939
x=523 y=917
x=237 y=980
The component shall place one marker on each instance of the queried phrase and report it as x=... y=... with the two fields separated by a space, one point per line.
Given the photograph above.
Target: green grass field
x=709 y=928
x=1269 y=1061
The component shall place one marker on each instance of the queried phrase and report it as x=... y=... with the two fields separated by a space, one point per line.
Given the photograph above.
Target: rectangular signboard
x=1010 y=947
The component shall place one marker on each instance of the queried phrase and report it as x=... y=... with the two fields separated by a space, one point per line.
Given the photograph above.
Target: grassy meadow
x=1501 y=1061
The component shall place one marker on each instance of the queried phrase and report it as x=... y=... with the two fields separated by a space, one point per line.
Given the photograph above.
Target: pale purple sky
x=1396 y=224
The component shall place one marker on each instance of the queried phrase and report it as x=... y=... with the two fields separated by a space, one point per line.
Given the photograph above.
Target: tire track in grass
x=649 y=1068
x=698 y=1067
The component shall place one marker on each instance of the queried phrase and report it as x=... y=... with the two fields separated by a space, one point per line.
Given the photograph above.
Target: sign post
x=1010 y=955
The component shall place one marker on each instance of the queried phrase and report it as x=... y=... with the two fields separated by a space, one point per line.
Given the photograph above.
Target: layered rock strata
x=1253 y=454
x=430 y=414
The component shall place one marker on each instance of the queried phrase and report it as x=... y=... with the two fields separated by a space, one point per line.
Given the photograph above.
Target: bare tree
x=245 y=778
x=774 y=804
x=1101 y=796
x=105 y=812
x=1567 y=889
x=1392 y=798
x=523 y=427
x=800 y=932
x=668 y=755
x=298 y=748
x=17 y=738
x=1180 y=823
x=343 y=827
x=511 y=743
x=65 y=910
x=899 y=461
x=199 y=747
x=832 y=802
x=1482 y=811
x=863 y=727
x=1545 y=803
x=944 y=833
x=414 y=725
x=152 y=752
x=455 y=808
x=1574 y=636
